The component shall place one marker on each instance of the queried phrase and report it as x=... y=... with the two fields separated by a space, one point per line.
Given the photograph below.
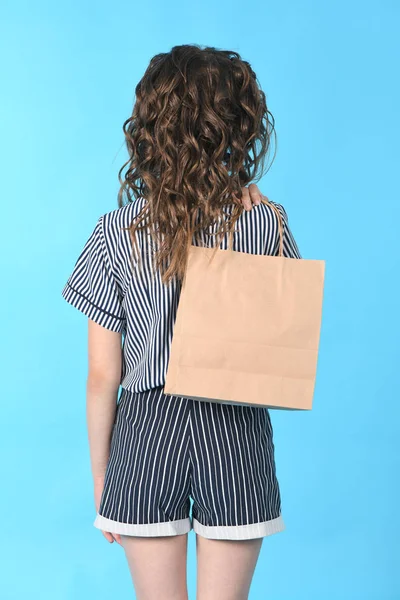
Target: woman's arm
x=104 y=375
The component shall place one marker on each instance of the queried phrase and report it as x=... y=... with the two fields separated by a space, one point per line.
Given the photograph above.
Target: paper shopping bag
x=247 y=329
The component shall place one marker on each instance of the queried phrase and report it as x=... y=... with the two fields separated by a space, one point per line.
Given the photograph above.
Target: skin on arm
x=103 y=380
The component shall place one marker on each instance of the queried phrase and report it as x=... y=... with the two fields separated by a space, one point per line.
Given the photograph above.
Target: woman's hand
x=98 y=490
x=251 y=196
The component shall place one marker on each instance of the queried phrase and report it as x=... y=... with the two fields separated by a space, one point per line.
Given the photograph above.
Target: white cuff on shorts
x=239 y=532
x=143 y=529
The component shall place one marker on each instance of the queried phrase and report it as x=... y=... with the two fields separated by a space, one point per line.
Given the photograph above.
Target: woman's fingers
x=111 y=537
x=251 y=196
x=255 y=194
x=108 y=536
x=246 y=201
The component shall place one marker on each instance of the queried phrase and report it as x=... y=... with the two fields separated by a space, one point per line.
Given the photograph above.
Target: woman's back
x=130 y=298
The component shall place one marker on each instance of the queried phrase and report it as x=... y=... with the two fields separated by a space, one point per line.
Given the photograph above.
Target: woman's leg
x=157 y=566
x=225 y=568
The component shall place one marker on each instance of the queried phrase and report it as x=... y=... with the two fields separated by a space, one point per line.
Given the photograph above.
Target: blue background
x=330 y=71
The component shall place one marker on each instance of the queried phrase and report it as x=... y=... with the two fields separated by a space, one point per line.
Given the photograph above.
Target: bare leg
x=225 y=568
x=157 y=566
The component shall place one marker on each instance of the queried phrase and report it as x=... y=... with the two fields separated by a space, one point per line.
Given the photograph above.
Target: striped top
x=114 y=292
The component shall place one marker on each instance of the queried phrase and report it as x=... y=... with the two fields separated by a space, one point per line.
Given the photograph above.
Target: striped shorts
x=170 y=456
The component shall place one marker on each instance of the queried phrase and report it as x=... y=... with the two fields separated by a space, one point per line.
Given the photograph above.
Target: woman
x=199 y=133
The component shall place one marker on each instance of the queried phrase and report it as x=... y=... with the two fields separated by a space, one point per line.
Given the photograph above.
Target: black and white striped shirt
x=107 y=288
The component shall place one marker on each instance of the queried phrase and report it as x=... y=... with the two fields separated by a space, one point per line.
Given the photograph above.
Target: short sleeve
x=290 y=248
x=92 y=288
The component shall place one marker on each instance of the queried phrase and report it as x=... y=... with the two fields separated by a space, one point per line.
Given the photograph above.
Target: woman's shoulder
x=264 y=215
x=270 y=207
x=122 y=217
x=114 y=224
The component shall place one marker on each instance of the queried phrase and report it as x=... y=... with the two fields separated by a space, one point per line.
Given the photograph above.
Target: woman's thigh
x=225 y=568
x=157 y=566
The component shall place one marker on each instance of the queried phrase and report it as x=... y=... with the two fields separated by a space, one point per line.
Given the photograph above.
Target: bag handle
x=265 y=200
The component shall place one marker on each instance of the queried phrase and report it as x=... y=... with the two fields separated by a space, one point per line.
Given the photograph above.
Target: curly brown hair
x=200 y=130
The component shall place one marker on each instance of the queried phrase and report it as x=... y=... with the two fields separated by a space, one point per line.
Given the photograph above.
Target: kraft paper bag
x=247 y=329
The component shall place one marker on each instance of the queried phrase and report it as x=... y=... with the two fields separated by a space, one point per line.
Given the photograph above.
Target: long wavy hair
x=200 y=130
